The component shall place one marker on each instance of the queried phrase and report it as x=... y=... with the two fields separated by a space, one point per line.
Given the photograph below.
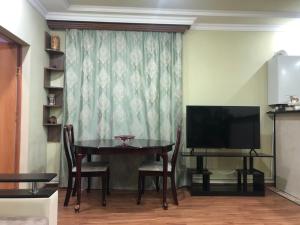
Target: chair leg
x=139 y=189
x=89 y=159
x=104 y=188
x=89 y=185
x=173 y=186
x=143 y=185
x=157 y=183
x=69 y=190
x=107 y=186
x=74 y=188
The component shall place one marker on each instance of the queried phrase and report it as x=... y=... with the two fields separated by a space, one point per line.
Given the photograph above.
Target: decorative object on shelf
x=292 y=105
x=280 y=52
x=279 y=108
x=124 y=138
x=52 y=120
x=297 y=107
x=51 y=99
x=294 y=100
x=55 y=42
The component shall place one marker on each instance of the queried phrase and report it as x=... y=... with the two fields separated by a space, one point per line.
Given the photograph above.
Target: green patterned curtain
x=121 y=82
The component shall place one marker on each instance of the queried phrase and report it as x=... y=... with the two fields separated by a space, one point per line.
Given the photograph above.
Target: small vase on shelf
x=51 y=99
x=52 y=120
x=55 y=42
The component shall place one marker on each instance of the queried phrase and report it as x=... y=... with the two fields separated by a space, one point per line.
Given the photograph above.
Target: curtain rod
x=61 y=25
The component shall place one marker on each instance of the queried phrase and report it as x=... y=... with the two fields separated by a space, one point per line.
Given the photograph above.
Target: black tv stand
x=241 y=187
x=253 y=150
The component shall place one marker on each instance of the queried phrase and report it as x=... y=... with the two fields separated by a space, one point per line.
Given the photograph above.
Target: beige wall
x=230 y=68
x=21 y=19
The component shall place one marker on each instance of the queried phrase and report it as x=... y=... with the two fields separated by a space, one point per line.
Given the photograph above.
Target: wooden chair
x=89 y=169
x=155 y=169
x=89 y=159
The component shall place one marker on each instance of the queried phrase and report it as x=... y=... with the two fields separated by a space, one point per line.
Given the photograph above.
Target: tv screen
x=233 y=127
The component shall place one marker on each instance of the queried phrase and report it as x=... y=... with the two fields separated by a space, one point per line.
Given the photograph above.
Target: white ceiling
x=201 y=14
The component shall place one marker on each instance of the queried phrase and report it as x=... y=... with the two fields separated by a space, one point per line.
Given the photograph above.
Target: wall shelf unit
x=54 y=88
x=282 y=112
x=55 y=70
x=52 y=125
x=53 y=51
x=53 y=106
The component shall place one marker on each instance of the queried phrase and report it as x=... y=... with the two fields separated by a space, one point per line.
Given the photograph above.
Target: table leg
x=165 y=178
x=78 y=181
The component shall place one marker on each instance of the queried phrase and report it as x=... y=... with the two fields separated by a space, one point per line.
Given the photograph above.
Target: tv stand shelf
x=240 y=188
x=224 y=154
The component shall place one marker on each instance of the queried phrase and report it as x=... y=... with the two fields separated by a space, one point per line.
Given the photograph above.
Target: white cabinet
x=288 y=153
x=283 y=78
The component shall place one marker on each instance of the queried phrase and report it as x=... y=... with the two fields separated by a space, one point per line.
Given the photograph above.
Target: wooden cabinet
x=55 y=71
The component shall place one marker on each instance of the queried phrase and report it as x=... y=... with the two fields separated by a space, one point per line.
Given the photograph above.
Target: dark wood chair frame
x=68 y=137
x=157 y=174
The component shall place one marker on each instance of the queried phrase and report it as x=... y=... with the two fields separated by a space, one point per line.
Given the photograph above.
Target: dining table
x=115 y=146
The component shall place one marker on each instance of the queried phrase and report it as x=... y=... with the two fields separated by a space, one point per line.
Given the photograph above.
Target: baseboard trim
x=285 y=195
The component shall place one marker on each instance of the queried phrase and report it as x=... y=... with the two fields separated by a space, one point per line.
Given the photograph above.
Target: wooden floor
x=122 y=209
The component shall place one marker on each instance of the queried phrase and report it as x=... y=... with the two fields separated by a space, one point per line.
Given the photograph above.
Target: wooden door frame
x=19 y=107
x=19 y=44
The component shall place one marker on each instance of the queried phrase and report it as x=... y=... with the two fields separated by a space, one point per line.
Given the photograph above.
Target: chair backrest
x=176 y=150
x=68 y=136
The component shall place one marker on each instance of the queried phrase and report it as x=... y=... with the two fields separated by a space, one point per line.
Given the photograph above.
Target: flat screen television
x=232 y=127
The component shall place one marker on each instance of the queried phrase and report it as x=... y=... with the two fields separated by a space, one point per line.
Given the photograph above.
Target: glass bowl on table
x=124 y=139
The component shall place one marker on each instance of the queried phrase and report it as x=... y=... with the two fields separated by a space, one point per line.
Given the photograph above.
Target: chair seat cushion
x=93 y=167
x=156 y=166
